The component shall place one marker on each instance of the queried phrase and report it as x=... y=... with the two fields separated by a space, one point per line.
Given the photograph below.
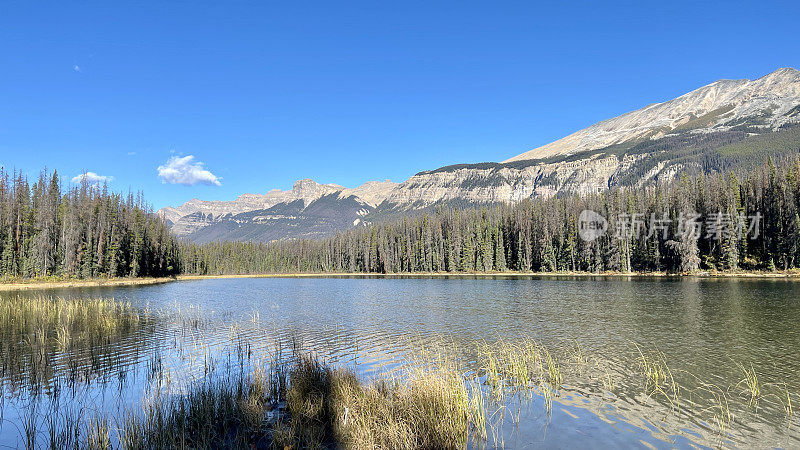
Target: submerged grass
x=753 y=386
x=658 y=376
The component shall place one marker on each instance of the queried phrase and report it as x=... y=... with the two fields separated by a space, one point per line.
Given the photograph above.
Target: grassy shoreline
x=48 y=283
x=17 y=284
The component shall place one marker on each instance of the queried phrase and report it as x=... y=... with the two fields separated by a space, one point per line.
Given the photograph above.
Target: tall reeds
x=34 y=331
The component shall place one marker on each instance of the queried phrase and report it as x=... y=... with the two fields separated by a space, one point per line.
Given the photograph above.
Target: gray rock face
x=766 y=103
x=724 y=126
x=305 y=190
x=321 y=217
x=308 y=209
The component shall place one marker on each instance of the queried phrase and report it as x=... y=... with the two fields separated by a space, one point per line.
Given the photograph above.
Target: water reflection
x=704 y=327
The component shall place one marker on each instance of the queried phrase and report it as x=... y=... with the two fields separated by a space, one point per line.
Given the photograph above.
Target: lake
x=709 y=332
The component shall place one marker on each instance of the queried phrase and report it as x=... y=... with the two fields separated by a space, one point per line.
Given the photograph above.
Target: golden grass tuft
x=426 y=408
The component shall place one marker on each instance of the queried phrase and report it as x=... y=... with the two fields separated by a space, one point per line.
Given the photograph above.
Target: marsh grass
x=98 y=435
x=210 y=415
x=787 y=406
x=299 y=401
x=34 y=331
x=751 y=383
x=70 y=321
x=658 y=376
x=431 y=409
x=522 y=369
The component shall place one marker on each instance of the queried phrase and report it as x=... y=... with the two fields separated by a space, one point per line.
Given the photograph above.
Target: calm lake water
x=707 y=330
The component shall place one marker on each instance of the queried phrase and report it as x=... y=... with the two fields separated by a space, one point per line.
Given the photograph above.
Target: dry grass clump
x=428 y=409
x=309 y=401
x=97 y=435
x=432 y=409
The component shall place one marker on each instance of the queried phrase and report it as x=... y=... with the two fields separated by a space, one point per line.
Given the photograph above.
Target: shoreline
x=701 y=274
x=34 y=284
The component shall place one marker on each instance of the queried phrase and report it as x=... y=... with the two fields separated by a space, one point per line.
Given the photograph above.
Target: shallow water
x=706 y=328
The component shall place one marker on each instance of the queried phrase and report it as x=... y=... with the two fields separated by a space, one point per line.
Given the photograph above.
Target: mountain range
x=728 y=125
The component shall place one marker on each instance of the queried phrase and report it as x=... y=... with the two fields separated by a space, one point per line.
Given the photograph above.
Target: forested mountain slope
x=703 y=222
x=727 y=126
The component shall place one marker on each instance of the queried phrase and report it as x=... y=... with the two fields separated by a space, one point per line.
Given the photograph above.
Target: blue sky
x=264 y=93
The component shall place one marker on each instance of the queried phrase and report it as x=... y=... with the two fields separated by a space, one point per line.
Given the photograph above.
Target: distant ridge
x=765 y=102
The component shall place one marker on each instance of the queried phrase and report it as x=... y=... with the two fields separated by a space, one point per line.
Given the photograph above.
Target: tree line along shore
x=745 y=225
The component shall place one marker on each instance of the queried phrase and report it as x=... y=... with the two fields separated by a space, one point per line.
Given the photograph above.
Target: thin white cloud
x=184 y=170
x=92 y=178
x=131 y=153
x=76 y=68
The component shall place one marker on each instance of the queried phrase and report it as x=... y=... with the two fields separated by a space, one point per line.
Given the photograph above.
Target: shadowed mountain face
x=307 y=210
x=321 y=217
x=729 y=125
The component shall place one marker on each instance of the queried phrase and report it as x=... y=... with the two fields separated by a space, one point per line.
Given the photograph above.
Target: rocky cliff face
x=497 y=183
x=727 y=125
